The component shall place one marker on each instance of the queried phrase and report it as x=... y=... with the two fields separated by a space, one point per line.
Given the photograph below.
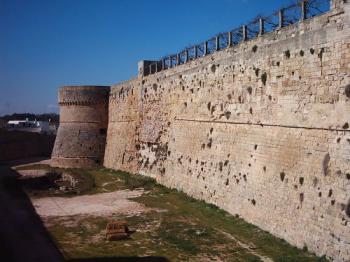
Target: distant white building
x=42 y=127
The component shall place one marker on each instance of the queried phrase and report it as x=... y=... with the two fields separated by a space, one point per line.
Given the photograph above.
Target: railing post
x=195 y=52
x=261 y=26
x=170 y=61
x=229 y=39
x=303 y=10
x=177 y=59
x=281 y=18
x=205 y=48
x=217 y=43
x=163 y=64
x=186 y=53
x=244 y=29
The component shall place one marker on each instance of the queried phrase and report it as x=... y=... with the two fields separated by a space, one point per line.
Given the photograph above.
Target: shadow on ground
x=23 y=236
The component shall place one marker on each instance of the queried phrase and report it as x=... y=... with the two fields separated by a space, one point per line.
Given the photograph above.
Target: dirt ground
x=103 y=204
x=167 y=224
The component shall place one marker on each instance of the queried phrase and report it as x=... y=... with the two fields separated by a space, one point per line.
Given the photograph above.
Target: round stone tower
x=81 y=136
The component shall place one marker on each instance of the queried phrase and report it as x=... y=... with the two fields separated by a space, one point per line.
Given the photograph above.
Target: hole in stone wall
x=264 y=78
x=301 y=180
x=227 y=114
x=229 y=96
x=253 y=202
x=282 y=176
x=320 y=55
x=249 y=89
x=287 y=53
x=346 y=125
x=347 y=176
x=210 y=142
x=347 y=210
x=264 y=168
x=312 y=51
x=209 y=105
x=257 y=71
x=301 y=53
x=301 y=197
x=103 y=131
x=347 y=90
x=330 y=192
x=255 y=147
x=211 y=130
x=220 y=166
x=213 y=68
x=326 y=160
x=251 y=111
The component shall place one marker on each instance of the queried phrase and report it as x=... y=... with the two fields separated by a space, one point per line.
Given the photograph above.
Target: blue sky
x=45 y=44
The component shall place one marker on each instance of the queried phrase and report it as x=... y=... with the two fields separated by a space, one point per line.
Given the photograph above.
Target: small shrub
x=254 y=48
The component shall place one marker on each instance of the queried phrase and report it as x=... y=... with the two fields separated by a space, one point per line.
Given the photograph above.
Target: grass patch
x=179 y=228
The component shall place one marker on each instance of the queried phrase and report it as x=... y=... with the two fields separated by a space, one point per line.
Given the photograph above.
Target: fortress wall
x=122 y=139
x=81 y=136
x=261 y=134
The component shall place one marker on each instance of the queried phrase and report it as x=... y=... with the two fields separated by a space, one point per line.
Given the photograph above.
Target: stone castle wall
x=260 y=129
x=81 y=136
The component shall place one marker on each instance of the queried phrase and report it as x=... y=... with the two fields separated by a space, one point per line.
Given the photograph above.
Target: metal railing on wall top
x=294 y=13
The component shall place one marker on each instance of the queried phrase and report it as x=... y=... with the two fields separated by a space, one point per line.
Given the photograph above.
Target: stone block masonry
x=81 y=136
x=260 y=129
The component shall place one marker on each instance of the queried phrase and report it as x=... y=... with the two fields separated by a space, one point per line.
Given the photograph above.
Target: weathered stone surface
x=263 y=134
x=81 y=136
